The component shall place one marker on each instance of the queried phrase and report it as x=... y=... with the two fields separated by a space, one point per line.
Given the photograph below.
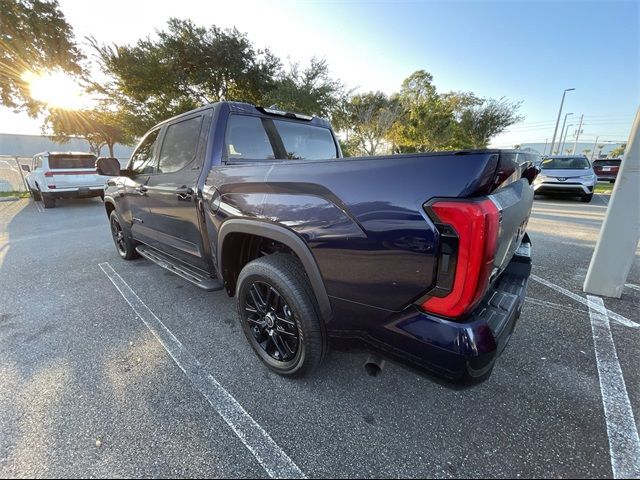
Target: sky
x=527 y=51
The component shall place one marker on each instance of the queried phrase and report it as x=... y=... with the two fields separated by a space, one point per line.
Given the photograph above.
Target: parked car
x=607 y=169
x=566 y=175
x=54 y=175
x=422 y=258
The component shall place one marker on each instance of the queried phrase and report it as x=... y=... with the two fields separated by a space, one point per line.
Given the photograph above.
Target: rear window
x=306 y=142
x=259 y=138
x=72 y=161
x=607 y=163
x=247 y=139
x=565 y=163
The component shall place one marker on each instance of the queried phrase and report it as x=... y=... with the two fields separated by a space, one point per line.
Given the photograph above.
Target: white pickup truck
x=54 y=175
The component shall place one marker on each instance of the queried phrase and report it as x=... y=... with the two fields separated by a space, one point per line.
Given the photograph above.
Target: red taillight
x=477 y=225
x=48 y=174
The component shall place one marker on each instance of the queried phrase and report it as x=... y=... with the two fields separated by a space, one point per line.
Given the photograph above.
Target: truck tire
x=279 y=315
x=48 y=200
x=124 y=244
x=586 y=198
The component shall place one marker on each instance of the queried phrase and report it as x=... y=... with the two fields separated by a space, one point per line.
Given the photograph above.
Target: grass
x=603 y=187
x=15 y=194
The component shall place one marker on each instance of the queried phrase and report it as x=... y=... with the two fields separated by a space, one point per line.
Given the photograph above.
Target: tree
x=482 y=120
x=450 y=121
x=311 y=90
x=99 y=127
x=34 y=36
x=618 y=151
x=367 y=119
x=186 y=66
x=425 y=118
x=586 y=152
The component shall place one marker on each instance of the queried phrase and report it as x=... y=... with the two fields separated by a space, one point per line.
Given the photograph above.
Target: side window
x=142 y=158
x=180 y=145
x=246 y=139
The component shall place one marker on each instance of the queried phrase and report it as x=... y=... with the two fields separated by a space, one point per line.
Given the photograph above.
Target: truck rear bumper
x=461 y=352
x=76 y=192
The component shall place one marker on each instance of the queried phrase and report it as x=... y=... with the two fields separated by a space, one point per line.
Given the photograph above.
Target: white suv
x=55 y=175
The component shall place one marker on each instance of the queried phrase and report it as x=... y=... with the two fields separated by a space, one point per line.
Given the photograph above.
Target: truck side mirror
x=108 y=166
x=26 y=168
x=530 y=173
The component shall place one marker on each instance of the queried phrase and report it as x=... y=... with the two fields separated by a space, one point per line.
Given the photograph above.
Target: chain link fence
x=11 y=174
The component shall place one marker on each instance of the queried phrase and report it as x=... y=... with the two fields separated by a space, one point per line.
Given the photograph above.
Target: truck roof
x=250 y=109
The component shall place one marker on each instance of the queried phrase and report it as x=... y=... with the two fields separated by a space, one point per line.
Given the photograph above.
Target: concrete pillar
x=620 y=232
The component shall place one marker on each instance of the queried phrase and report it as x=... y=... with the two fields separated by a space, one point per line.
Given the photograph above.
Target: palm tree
x=618 y=151
x=586 y=152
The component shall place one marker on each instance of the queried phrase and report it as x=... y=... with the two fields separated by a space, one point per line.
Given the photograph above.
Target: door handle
x=184 y=193
x=141 y=189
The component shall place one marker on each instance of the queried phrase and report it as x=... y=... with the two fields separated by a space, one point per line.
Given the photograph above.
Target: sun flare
x=57 y=89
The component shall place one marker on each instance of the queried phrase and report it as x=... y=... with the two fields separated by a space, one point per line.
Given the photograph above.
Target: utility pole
x=544 y=152
x=555 y=131
x=595 y=144
x=575 y=143
x=563 y=124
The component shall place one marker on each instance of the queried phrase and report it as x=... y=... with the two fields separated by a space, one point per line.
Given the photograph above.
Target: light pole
x=595 y=144
x=575 y=143
x=545 y=146
x=555 y=131
x=563 y=124
x=561 y=144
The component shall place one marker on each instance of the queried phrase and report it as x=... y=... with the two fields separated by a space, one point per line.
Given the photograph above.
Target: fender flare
x=286 y=237
x=108 y=199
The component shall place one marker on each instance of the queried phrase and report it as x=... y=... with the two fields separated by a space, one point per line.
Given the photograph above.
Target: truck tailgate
x=515 y=201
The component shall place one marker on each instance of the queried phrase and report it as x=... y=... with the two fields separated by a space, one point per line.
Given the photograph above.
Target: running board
x=199 y=279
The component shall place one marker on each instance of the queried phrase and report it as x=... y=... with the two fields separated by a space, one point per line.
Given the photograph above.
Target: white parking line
x=624 y=444
x=544 y=303
x=632 y=286
x=612 y=315
x=605 y=199
x=39 y=207
x=268 y=454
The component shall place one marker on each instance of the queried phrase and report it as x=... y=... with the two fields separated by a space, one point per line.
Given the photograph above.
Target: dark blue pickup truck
x=421 y=258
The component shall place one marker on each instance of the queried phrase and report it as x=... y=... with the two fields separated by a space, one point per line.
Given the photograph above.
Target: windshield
x=607 y=163
x=72 y=161
x=566 y=163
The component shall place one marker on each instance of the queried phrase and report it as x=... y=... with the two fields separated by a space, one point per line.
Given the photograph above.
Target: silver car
x=570 y=175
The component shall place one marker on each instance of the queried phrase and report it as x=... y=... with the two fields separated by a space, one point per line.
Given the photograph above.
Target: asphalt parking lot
x=89 y=387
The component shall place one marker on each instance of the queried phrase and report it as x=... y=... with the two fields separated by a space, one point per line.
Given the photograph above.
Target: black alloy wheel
x=118 y=236
x=271 y=321
x=278 y=313
x=126 y=246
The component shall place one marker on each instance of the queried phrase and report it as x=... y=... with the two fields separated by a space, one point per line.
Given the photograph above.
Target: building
x=28 y=145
